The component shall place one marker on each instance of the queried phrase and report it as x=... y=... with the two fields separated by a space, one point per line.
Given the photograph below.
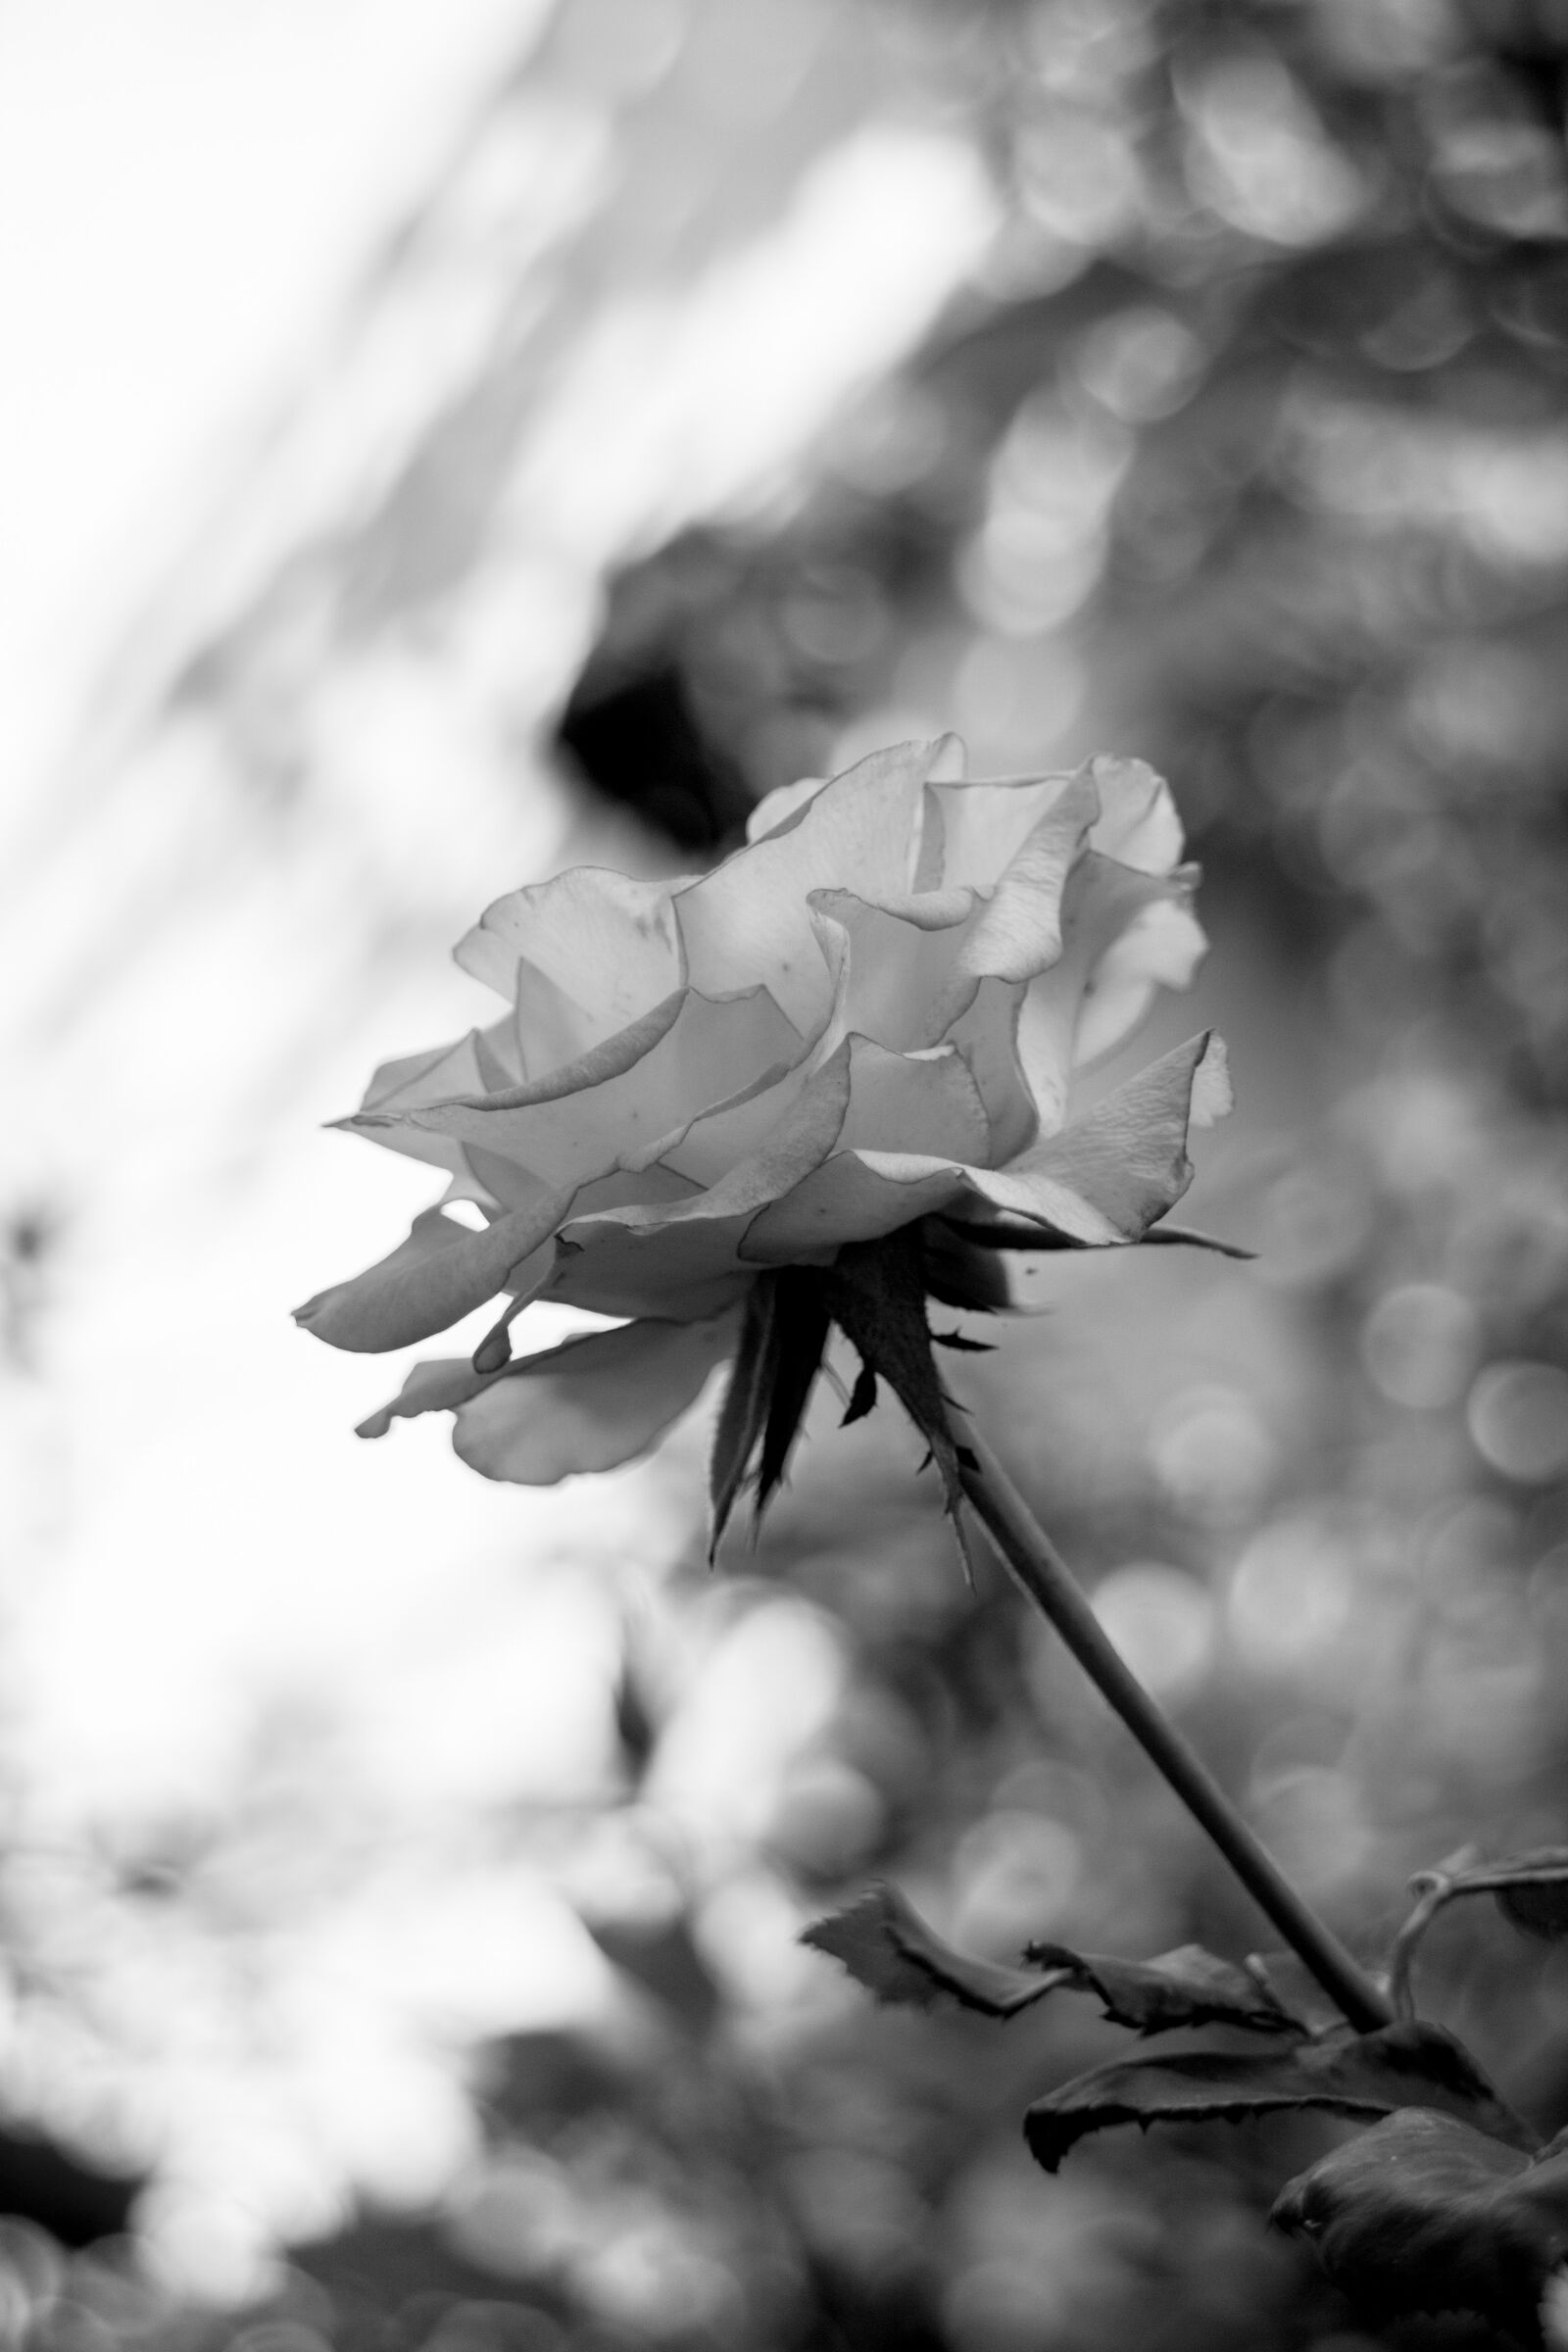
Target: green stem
x=1043 y=1575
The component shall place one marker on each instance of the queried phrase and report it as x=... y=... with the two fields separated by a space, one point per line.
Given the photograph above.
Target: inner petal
x=900 y=967
x=1103 y=898
x=984 y=824
x=927 y=1104
x=748 y=920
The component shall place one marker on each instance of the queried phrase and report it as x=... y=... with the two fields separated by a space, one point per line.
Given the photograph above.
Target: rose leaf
x=783 y=1333
x=1426 y=2213
x=1366 y=2074
x=801 y=1329
x=1535 y=1899
x=888 y=1947
x=1184 y=1988
x=744 y=1411
x=876 y=1294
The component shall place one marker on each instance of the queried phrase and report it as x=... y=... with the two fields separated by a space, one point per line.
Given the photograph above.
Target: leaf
x=862 y=1396
x=888 y=1947
x=743 y=1411
x=800 y=1335
x=1188 y=1986
x=783 y=1333
x=1423 y=2213
x=1367 y=2075
x=959 y=1272
x=1534 y=1897
x=1007 y=1234
x=875 y=1292
x=1187 y=1237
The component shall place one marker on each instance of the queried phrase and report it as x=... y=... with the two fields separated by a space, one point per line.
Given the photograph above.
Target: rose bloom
x=870 y=1014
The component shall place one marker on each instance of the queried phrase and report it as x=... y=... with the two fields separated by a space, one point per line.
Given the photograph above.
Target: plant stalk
x=1037 y=1566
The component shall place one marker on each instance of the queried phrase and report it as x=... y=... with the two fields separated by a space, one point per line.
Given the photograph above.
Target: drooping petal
x=590 y=1404
x=439 y=1385
x=438 y=1275
x=606 y=939
x=620 y=1110
x=751 y=914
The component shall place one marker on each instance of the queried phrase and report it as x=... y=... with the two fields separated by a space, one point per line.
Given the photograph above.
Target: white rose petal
x=872 y=1013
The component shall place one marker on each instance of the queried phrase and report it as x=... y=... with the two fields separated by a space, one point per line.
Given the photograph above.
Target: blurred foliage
x=1245 y=450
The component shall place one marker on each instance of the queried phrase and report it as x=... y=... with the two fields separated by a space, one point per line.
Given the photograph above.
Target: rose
x=869 y=1015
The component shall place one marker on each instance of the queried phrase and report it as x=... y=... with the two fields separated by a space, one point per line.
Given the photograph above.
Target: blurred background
x=449 y=439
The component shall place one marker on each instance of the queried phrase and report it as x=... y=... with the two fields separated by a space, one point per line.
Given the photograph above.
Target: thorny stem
x=1040 y=1570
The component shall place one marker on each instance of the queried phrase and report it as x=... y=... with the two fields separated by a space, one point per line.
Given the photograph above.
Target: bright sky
x=188 y=189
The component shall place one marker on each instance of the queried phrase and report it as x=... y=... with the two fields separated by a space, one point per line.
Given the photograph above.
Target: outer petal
x=440 y=1273
x=439 y=1385
x=861 y=832
x=590 y=1404
x=605 y=939
x=853 y=1197
x=400 y=1087
x=620 y=1106
x=1110 y=1174
x=1104 y=1179
x=775 y=809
